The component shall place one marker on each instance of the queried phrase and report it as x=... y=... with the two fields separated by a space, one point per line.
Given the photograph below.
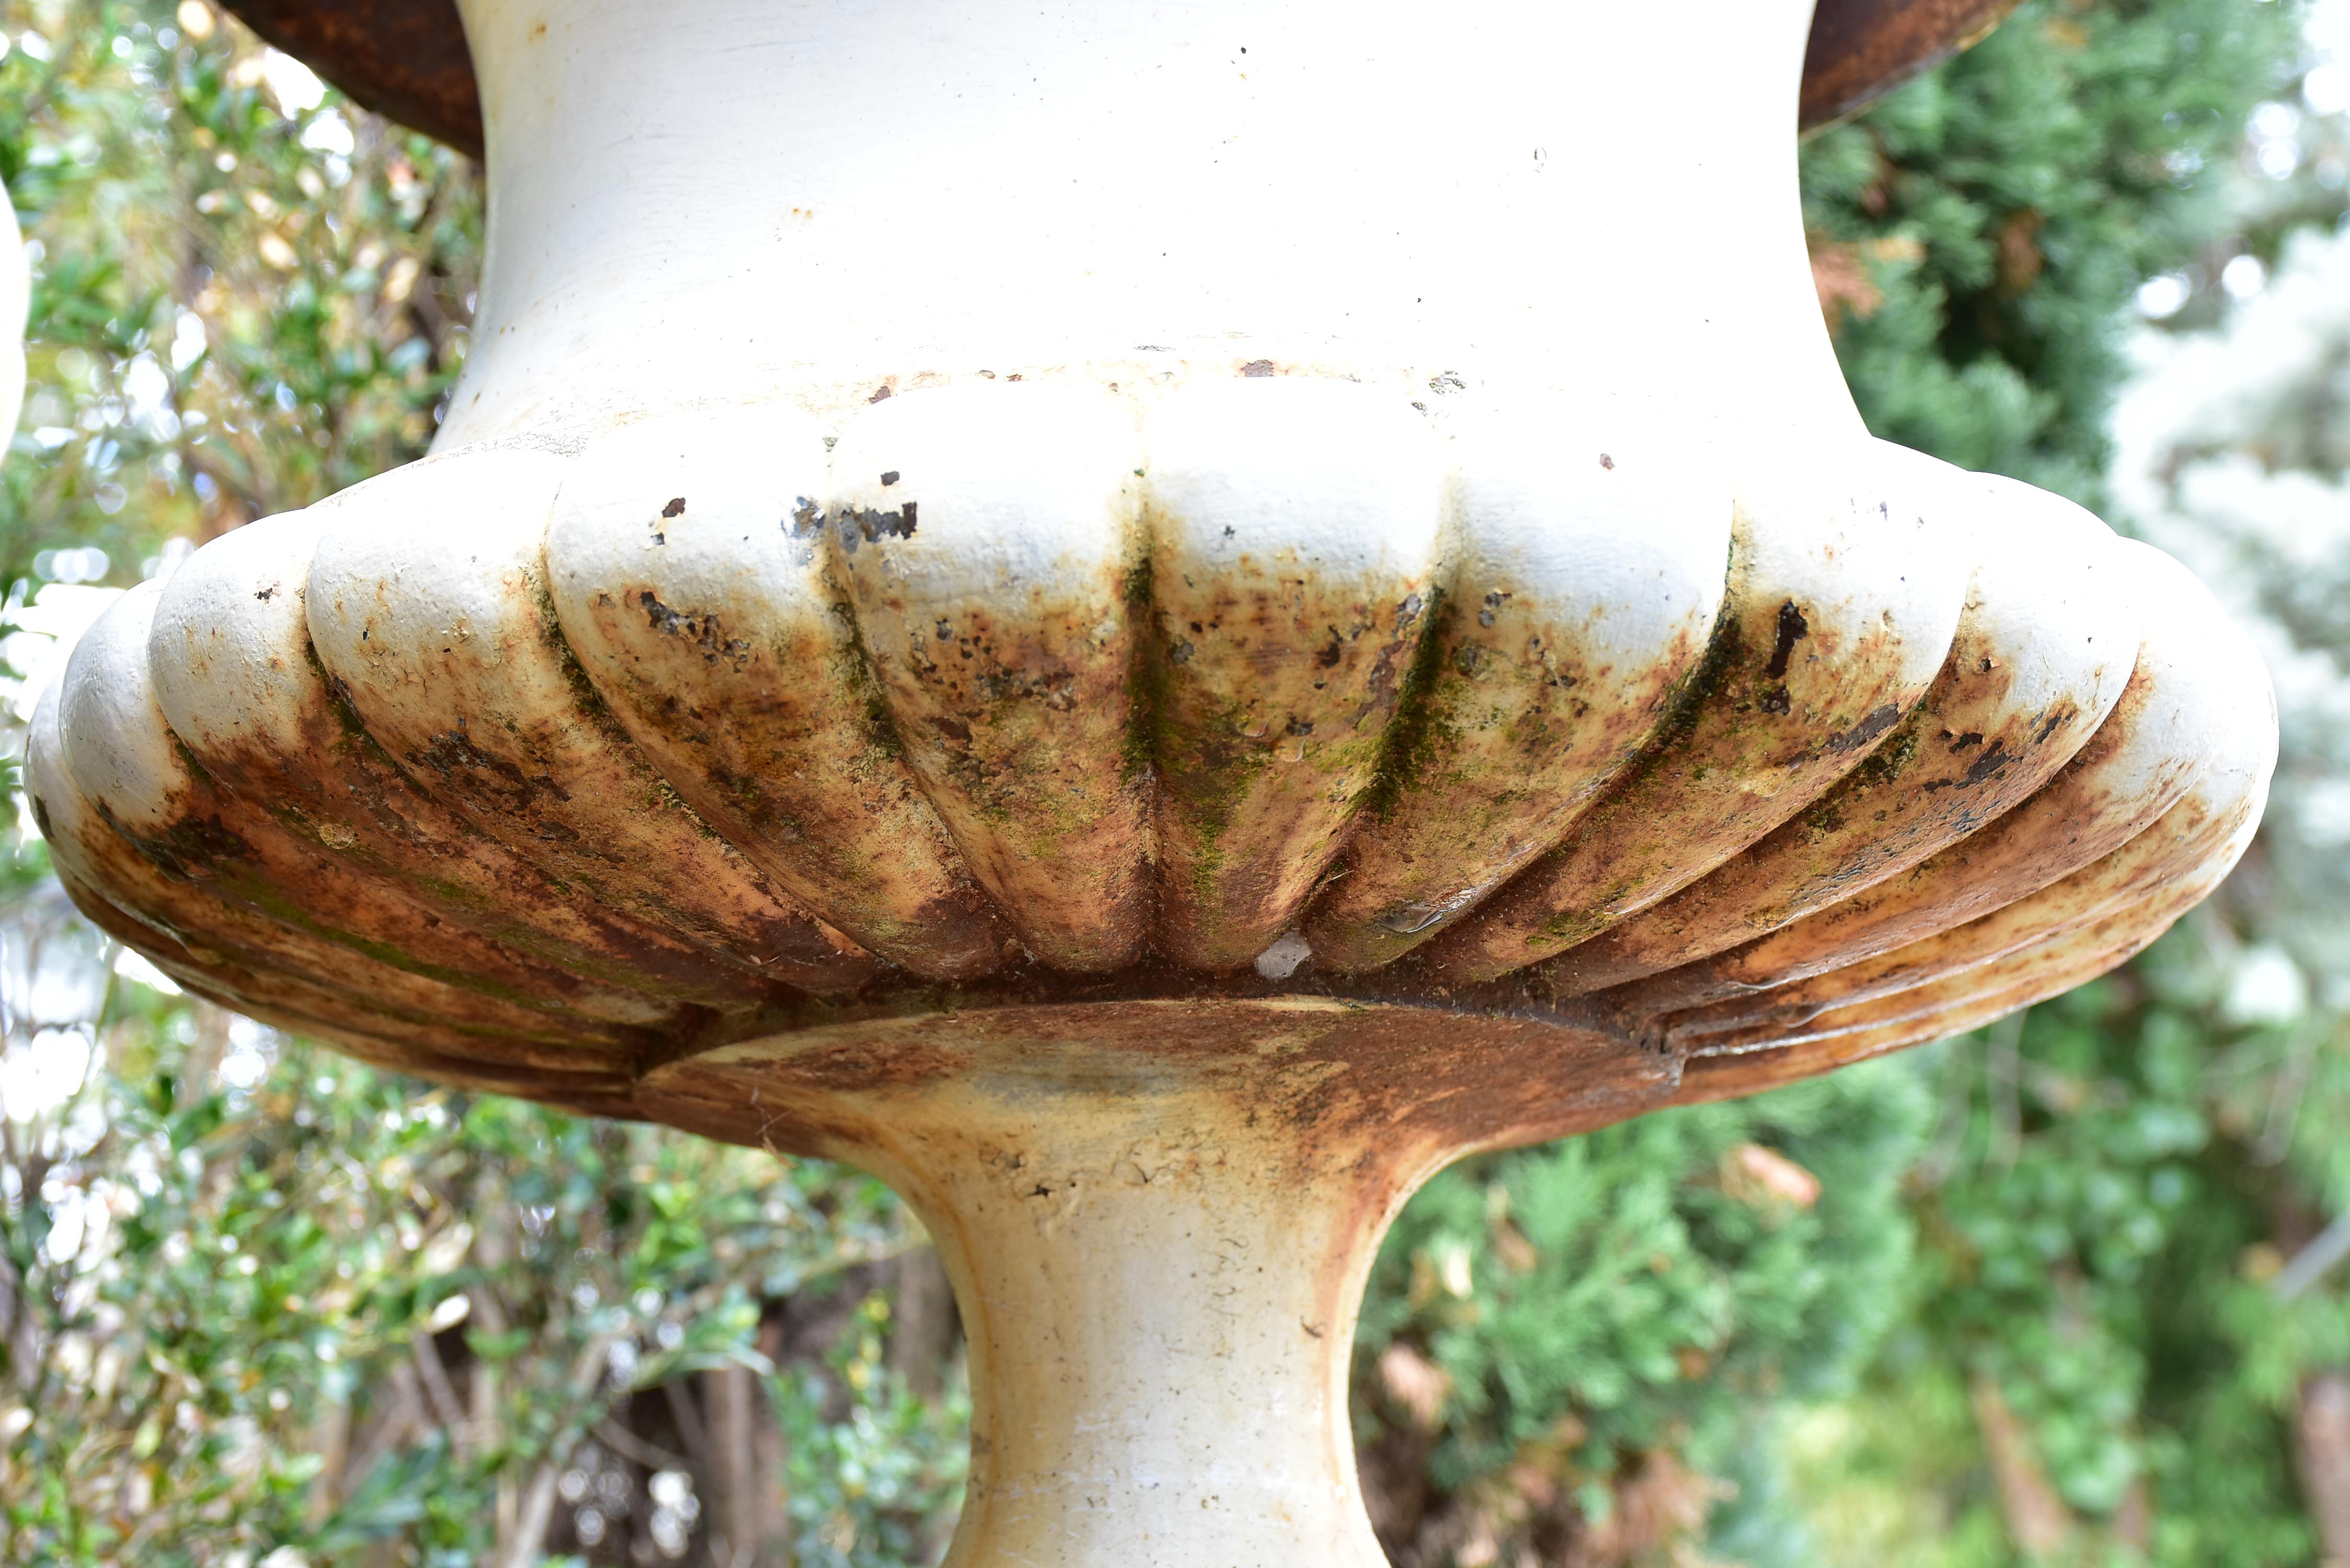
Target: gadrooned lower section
x=532 y=768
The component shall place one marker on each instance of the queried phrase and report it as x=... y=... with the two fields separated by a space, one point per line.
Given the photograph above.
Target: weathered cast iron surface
x=407 y=59
x=1152 y=831
x=1150 y=650
x=553 y=770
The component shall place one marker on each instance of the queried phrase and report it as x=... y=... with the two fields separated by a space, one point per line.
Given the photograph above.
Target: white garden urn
x=1150 y=621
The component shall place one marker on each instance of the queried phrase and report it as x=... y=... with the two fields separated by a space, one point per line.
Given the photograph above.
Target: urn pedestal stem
x=1158 y=1255
x=1160 y=1303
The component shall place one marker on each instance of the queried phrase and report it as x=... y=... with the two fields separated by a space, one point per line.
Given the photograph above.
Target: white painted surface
x=817 y=199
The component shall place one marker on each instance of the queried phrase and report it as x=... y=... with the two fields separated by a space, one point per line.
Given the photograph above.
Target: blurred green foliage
x=1979 y=235
x=1545 y=1327
x=2002 y=1301
x=238 y=309
x=258 y=1275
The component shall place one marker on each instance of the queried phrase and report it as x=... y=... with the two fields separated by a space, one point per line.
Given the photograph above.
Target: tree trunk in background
x=770 y=1452
x=748 y=1524
x=330 y=1440
x=924 y=1324
x=2037 y=1520
x=2321 y=1451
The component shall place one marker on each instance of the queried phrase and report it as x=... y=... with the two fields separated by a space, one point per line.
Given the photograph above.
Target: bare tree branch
x=2321 y=1451
x=631 y=1447
x=440 y=1390
x=2037 y=1520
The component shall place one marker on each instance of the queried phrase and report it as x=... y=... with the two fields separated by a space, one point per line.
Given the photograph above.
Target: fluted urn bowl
x=1150 y=624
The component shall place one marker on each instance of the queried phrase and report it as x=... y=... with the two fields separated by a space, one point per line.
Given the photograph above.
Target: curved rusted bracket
x=1862 y=49
x=406 y=58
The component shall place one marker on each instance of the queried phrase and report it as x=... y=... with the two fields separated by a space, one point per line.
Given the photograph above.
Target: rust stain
x=1797 y=689
x=1011 y=699
x=477 y=849
x=730 y=657
x=1972 y=748
x=2101 y=799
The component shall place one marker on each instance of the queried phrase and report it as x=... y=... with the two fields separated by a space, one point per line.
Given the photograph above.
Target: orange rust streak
x=2074 y=820
x=1964 y=756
